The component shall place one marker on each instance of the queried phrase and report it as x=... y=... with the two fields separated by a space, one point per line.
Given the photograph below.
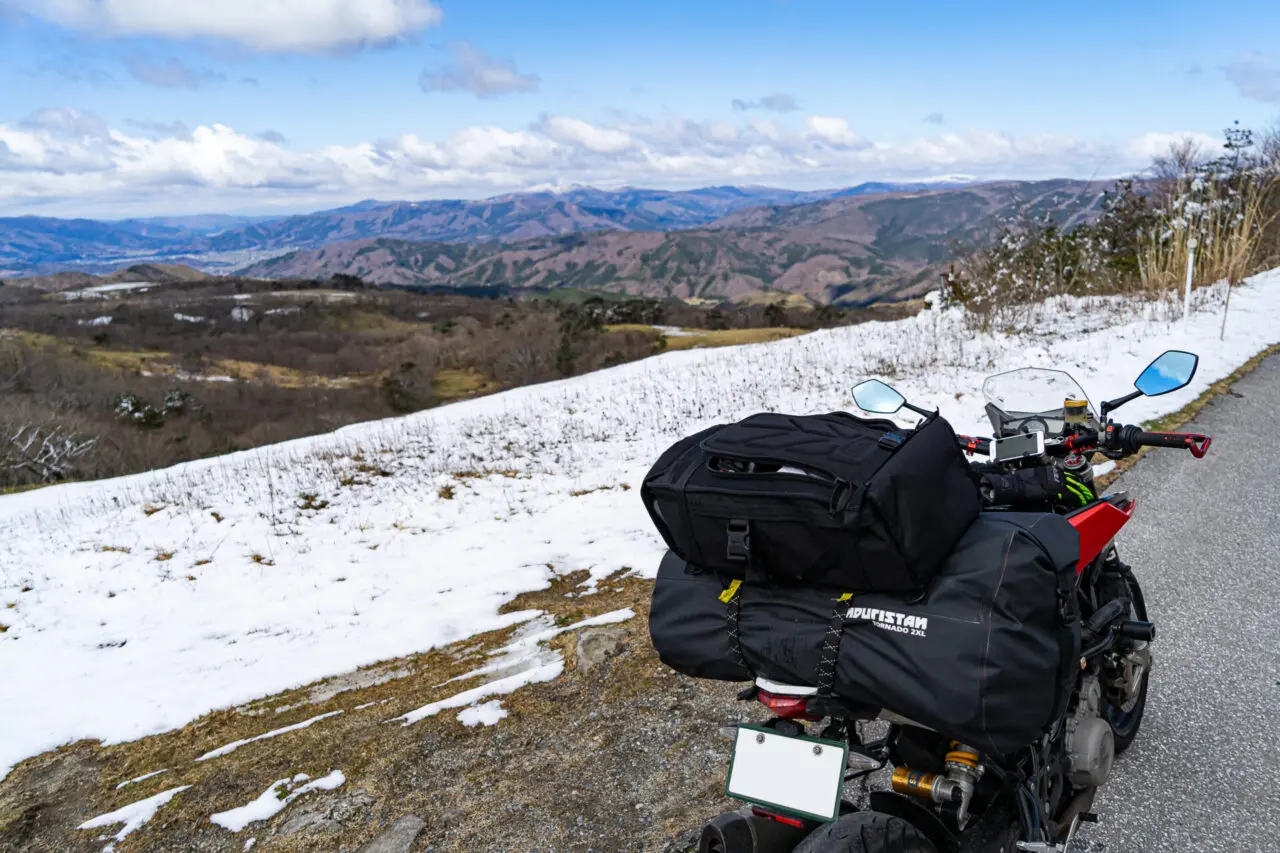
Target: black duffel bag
x=863 y=505
x=988 y=655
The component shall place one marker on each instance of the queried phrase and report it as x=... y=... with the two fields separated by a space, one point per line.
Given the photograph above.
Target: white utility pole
x=1191 y=265
x=1226 y=306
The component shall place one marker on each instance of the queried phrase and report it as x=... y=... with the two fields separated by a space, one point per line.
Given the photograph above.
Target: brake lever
x=1199 y=445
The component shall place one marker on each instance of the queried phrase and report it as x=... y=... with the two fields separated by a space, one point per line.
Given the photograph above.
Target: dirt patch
x=618 y=756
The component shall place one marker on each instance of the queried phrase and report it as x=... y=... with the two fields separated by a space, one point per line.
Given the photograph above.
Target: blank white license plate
x=800 y=775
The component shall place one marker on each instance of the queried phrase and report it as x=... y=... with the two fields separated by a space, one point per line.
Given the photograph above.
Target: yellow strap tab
x=729 y=593
x=845 y=597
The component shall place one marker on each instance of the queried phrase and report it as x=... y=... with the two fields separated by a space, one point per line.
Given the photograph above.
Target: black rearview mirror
x=1171 y=371
x=877 y=397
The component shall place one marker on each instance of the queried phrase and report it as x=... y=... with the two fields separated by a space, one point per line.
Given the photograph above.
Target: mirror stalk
x=919 y=411
x=1110 y=406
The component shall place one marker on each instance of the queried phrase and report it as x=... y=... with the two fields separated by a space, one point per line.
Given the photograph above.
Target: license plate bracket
x=798 y=775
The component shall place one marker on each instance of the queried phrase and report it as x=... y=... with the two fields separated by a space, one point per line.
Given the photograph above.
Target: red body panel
x=1097 y=525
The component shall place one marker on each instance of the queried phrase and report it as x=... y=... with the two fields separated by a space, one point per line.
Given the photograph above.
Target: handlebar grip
x=1196 y=443
x=972 y=444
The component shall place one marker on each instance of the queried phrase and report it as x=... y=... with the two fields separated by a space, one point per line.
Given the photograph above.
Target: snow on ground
x=497 y=687
x=103 y=291
x=137 y=779
x=234 y=745
x=134 y=816
x=274 y=800
x=302 y=560
x=487 y=714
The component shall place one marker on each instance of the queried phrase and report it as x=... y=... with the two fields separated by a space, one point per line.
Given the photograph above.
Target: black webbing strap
x=733 y=611
x=826 y=675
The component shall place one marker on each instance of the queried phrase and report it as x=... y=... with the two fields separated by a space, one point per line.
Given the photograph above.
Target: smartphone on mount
x=1016 y=447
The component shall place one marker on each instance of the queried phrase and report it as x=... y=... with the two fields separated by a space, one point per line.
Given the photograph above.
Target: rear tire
x=1125 y=725
x=867 y=832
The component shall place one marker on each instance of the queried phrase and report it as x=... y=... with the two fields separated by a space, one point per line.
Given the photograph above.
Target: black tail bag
x=820 y=499
x=988 y=655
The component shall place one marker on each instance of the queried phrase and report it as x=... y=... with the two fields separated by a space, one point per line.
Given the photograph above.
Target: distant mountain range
x=847 y=247
x=30 y=245
x=854 y=245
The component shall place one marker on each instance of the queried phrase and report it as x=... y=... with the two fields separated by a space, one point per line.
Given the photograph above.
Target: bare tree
x=42 y=454
x=1177 y=166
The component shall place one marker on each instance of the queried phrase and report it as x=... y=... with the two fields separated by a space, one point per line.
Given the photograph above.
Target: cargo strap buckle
x=738 y=535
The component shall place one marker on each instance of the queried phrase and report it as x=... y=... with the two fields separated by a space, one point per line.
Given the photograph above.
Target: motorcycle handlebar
x=1116 y=438
x=1196 y=443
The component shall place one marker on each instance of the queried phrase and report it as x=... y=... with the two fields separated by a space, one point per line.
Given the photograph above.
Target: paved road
x=1204 y=774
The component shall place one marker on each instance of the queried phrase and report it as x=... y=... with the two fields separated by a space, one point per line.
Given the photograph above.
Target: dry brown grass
x=730 y=337
x=1228 y=236
x=370 y=752
x=698 y=338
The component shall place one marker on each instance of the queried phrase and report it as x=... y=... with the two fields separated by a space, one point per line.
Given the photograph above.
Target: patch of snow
x=248 y=845
x=1104 y=468
x=502 y=686
x=527 y=645
x=102 y=291
x=234 y=745
x=354 y=681
x=291 y=310
x=677 y=332
x=199 y=377
x=134 y=816
x=140 y=778
x=391 y=568
x=487 y=714
x=241 y=314
x=187 y=318
x=274 y=800
x=96 y=321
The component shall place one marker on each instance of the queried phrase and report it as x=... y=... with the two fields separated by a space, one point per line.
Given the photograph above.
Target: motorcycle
x=943 y=796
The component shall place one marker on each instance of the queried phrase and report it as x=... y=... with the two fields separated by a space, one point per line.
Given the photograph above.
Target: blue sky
x=124 y=107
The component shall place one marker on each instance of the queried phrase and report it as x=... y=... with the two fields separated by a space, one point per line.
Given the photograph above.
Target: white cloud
x=62 y=162
x=1150 y=145
x=172 y=74
x=778 y=103
x=478 y=73
x=577 y=132
x=1256 y=77
x=835 y=131
x=283 y=26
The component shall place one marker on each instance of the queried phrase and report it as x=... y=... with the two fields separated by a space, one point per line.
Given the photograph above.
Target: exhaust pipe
x=747 y=832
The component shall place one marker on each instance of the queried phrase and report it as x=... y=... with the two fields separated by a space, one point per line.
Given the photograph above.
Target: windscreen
x=1030 y=400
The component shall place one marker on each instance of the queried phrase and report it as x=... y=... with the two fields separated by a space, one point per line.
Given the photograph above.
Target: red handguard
x=1199 y=444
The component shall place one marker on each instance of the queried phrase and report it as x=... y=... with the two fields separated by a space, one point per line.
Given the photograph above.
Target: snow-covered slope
x=137 y=604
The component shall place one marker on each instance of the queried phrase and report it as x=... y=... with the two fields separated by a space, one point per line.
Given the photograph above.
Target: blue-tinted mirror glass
x=1169 y=372
x=875 y=396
